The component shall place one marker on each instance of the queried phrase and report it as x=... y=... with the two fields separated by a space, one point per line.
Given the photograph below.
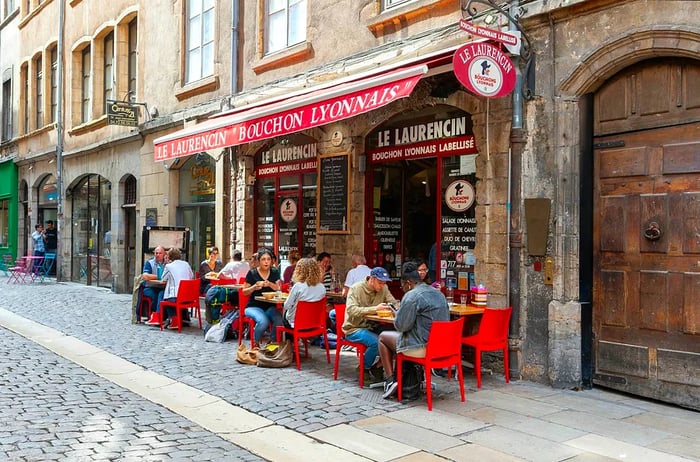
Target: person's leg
x=370 y=340
x=276 y=319
x=387 y=348
x=261 y=321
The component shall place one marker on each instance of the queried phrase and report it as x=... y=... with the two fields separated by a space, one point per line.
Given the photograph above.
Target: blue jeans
x=263 y=319
x=155 y=296
x=370 y=340
x=169 y=310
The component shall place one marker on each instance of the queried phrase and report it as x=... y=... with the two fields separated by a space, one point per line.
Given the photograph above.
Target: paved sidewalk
x=248 y=413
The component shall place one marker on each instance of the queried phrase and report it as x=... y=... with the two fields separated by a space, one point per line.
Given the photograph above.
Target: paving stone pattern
x=53 y=409
x=304 y=401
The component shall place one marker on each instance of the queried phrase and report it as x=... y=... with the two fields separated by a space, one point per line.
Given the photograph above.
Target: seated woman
x=175 y=271
x=207 y=266
x=308 y=287
x=263 y=278
x=289 y=271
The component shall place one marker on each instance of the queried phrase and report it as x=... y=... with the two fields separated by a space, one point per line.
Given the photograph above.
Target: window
x=25 y=98
x=39 y=73
x=7 y=110
x=54 y=83
x=9 y=7
x=392 y=3
x=4 y=222
x=286 y=24
x=86 y=113
x=200 y=39
x=133 y=35
x=108 y=70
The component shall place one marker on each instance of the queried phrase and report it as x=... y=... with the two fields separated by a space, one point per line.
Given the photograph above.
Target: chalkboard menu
x=333 y=201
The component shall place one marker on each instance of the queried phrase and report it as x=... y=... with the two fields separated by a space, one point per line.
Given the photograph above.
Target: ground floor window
x=91 y=225
x=4 y=222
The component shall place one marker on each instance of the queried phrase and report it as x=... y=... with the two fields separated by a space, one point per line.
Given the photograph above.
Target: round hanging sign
x=288 y=210
x=459 y=196
x=484 y=69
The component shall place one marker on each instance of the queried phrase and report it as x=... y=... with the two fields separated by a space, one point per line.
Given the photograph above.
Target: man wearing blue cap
x=366 y=297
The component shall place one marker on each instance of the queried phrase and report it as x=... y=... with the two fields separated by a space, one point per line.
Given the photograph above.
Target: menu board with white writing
x=333 y=200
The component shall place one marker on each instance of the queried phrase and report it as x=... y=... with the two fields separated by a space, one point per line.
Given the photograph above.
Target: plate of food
x=212 y=275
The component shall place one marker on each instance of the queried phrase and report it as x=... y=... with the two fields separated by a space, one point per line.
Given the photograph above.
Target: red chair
x=342 y=341
x=19 y=271
x=444 y=349
x=187 y=297
x=492 y=336
x=309 y=321
x=243 y=319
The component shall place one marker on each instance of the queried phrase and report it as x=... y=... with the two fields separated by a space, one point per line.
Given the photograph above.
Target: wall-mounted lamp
x=166 y=165
x=51 y=161
x=489 y=19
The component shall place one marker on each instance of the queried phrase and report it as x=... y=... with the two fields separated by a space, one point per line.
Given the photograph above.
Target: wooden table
x=278 y=301
x=455 y=310
x=231 y=286
x=335 y=297
x=156 y=284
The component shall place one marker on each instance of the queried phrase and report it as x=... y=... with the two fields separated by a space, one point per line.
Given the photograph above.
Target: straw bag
x=276 y=355
x=246 y=356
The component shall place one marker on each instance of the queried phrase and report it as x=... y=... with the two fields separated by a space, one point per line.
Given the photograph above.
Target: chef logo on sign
x=459 y=196
x=288 y=210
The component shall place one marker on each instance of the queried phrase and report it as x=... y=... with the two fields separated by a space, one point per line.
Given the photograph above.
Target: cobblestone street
x=56 y=408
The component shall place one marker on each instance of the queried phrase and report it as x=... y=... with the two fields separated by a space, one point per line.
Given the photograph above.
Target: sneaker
x=154 y=320
x=348 y=348
x=166 y=323
x=438 y=372
x=173 y=326
x=390 y=387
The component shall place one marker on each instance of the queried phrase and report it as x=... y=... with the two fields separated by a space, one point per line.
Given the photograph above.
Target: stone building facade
x=584 y=186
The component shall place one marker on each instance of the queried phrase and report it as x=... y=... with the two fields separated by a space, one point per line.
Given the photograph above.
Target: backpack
x=411 y=379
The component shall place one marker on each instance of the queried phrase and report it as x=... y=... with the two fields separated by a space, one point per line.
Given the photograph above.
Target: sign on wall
x=122 y=113
x=333 y=197
x=484 y=69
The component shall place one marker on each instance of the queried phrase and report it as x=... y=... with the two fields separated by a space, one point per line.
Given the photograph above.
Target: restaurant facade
x=571 y=198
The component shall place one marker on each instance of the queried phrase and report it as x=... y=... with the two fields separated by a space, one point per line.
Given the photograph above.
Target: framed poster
x=333 y=198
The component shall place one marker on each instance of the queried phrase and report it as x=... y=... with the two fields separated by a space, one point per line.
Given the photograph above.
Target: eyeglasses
x=420 y=270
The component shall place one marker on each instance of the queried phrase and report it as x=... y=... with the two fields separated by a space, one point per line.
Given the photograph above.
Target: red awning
x=258 y=122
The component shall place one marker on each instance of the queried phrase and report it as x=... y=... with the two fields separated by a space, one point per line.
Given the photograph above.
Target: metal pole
x=59 y=139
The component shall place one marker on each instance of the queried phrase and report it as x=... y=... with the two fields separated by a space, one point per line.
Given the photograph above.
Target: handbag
x=276 y=355
x=246 y=356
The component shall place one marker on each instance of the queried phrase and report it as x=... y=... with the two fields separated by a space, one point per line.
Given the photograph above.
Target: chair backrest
x=188 y=292
x=310 y=315
x=47 y=264
x=494 y=324
x=339 y=318
x=445 y=339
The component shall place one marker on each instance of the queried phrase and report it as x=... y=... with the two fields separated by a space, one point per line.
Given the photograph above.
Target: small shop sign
x=484 y=69
x=122 y=113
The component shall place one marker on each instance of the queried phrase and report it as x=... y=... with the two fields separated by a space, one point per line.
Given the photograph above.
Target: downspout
x=517 y=142
x=59 y=137
x=233 y=162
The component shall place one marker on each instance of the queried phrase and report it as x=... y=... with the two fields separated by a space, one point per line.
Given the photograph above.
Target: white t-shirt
x=357 y=274
x=235 y=269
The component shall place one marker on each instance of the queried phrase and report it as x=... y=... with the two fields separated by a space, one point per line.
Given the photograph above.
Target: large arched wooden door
x=646 y=298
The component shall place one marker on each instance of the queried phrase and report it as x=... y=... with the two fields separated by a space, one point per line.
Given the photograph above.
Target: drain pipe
x=515 y=238
x=233 y=88
x=233 y=162
x=59 y=139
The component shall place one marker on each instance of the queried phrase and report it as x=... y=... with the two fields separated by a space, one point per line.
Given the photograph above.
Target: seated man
x=366 y=297
x=153 y=271
x=419 y=308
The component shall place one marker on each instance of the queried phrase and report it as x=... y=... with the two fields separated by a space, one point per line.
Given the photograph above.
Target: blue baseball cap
x=380 y=273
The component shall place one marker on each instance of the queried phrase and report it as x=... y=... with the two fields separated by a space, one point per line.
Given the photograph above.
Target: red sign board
x=246 y=127
x=484 y=69
x=443 y=147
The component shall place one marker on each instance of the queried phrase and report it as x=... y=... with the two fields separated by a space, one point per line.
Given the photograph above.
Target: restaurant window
x=197 y=205
x=39 y=92
x=285 y=24
x=85 y=86
x=131 y=67
x=421 y=190
x=200 y=39
x=108 y=70
x=4 y=222
x=54 y=83
x=285 y=197
x=7 y=110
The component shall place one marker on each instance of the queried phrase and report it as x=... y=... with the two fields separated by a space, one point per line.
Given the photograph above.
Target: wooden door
x=646 y=296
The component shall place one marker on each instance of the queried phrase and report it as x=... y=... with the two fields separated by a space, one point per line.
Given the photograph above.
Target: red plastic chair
x=187 y=297
x=444 y=349
x=243 y=319
x=492 y=336
x=342 y=341
x=309 y=321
